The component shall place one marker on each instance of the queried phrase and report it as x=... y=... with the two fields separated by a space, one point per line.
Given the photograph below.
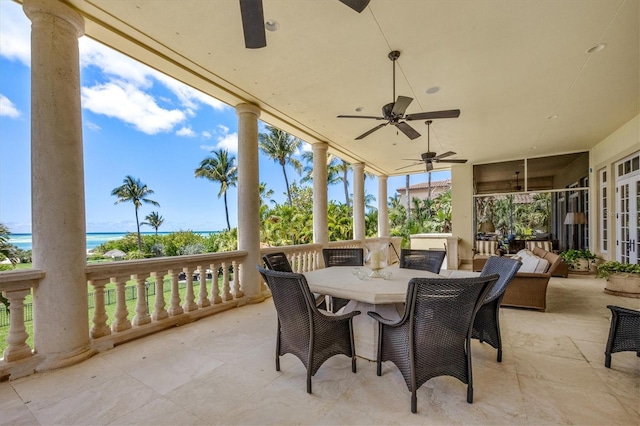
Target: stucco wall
x=462 y=209
x=616 y=146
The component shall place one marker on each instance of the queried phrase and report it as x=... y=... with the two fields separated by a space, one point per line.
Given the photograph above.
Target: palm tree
x=6 y=249
x=154 y=220
x=280 y=147
x=135 y=191
x=220 y=168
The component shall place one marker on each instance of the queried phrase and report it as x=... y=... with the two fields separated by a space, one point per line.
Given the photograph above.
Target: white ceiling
x=507 y=65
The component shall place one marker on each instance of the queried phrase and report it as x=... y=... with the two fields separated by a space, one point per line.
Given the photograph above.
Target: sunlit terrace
x=220 y=370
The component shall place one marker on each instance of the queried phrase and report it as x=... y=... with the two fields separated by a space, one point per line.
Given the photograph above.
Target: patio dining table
x=384 y=296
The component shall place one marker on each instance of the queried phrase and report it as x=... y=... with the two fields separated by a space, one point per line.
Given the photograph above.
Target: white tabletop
x=339 y=281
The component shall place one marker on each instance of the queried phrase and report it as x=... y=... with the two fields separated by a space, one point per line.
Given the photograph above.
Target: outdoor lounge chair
x=303 y=330
x=433 y=337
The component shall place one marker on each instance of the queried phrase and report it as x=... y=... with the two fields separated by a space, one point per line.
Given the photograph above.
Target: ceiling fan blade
x=357 y=5
x=446 y=154
x=253 y=24
x=410 y=165
x=452 y=161
x=429 y=166
x=361 y=116
x=413 y=159
x=451 y=113
x=400 y=105
x=365 y=134
x=408 y=130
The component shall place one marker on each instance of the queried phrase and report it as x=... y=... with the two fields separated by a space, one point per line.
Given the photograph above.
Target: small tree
x=153 y=220
x=133 y=190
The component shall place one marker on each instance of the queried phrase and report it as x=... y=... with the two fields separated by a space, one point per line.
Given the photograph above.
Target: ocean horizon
x=94 y=239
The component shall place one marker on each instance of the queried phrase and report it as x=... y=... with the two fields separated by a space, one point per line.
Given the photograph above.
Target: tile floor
x=220 y=370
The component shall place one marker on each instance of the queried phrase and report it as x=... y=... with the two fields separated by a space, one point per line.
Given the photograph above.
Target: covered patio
x=531 y=80
x=220 y=370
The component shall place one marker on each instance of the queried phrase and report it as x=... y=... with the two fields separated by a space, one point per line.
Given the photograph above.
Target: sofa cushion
x=531 y=262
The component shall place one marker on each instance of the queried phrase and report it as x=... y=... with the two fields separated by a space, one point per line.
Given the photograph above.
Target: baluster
x=305 y=262
x=17 y=336
x=159 y=312
x=295 y=263
x=142 y=299
x=174 y=303
x=226 y=289
x=237 y=288
x=120 y=322
x=215 y=290
x=100 y=327
x=189 y=298
x=203 y=299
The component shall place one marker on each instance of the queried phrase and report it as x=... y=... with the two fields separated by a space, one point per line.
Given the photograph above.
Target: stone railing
x=205 y=270
x=15 y=286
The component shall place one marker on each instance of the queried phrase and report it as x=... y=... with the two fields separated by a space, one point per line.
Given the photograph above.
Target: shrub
x=611 y=267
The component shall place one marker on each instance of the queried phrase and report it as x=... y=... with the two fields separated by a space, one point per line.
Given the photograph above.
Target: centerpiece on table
x=376 y=259
x=623 y=279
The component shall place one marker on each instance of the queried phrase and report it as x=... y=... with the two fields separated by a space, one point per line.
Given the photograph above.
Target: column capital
x=247 y=109
x=320 y=146
x=38 y=9
x=358 y=166
x=383 y=177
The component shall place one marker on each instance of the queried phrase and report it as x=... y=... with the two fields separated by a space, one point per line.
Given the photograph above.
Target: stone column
x=358 y=201
x=249 y=199
x=320 y=213
x=61 y=323
x=383 y=210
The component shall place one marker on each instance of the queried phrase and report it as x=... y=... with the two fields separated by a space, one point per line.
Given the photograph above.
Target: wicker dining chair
x=303 y=330
x=624 y=332
x=486 y=326
x=342 y=257
x=434 y=334
x=277 y=262
x=425 y=260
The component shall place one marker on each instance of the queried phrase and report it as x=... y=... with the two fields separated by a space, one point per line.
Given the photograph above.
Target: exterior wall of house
x=462 y=210
x=618 y=145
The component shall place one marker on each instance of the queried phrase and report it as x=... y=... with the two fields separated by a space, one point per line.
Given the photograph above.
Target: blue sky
x=136 y=122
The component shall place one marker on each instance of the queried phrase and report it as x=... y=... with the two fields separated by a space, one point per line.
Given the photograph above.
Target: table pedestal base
x=365 y=328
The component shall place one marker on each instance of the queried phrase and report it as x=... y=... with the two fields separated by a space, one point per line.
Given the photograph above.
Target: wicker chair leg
x=607 y=360
x=353 y=364
x=414 y=402
x=277 y=363
x=379 y=357
x=470 y=394
x=308 y=382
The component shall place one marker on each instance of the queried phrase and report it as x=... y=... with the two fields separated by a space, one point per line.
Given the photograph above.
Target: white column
x=61 y=323
x=320 y=213
x=249 y=198
x=383 y=211
x=358 y=201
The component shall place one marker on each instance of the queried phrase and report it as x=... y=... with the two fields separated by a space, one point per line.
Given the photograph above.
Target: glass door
x=628 y=201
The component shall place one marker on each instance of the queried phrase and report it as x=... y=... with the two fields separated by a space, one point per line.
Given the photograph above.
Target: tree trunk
x=408 y=200
x=345 y=183
x=138 y=226
x=226 y=211
x=429 y=193
x=286 y=182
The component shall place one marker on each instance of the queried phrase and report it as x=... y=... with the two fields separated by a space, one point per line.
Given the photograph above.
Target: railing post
x=189 y=298
x=142 y=309
x=226 y=289
x=17 y=336
x=159 y=312
x=174 y=302
x=237 y=287
x=120 y=322
x=203 y=300
x=100 y=327
x=215 y=290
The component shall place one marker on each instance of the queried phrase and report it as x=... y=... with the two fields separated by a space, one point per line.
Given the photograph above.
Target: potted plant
x=579 y=260
x=623 y=279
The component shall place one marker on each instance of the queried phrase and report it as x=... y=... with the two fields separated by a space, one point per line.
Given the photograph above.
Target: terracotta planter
x=623 y=284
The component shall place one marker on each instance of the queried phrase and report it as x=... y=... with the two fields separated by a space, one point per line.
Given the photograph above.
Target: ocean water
x=94 y=239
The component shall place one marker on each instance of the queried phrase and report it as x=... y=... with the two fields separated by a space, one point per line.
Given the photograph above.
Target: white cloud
x=7 y=108
x=229 y=142
x=208 y=148
x=15 y=33
x=92 y=126
x=129 y=104
x=187 y=132
x=224 y=129
x=207 y=135
x=188 y=96
x=114 y=64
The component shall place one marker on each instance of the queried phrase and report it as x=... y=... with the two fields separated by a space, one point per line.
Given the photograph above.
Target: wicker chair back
x=425 y=260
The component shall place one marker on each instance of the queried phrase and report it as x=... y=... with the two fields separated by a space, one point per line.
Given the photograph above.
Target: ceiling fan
x=393 y=112
x=253 y=20
x=429 y=157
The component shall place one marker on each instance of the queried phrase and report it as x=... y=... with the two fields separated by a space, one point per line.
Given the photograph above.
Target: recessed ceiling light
x=271 y=25
x=359 y=109
x=598 y=47
x=432 y=90
x=552 y=117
